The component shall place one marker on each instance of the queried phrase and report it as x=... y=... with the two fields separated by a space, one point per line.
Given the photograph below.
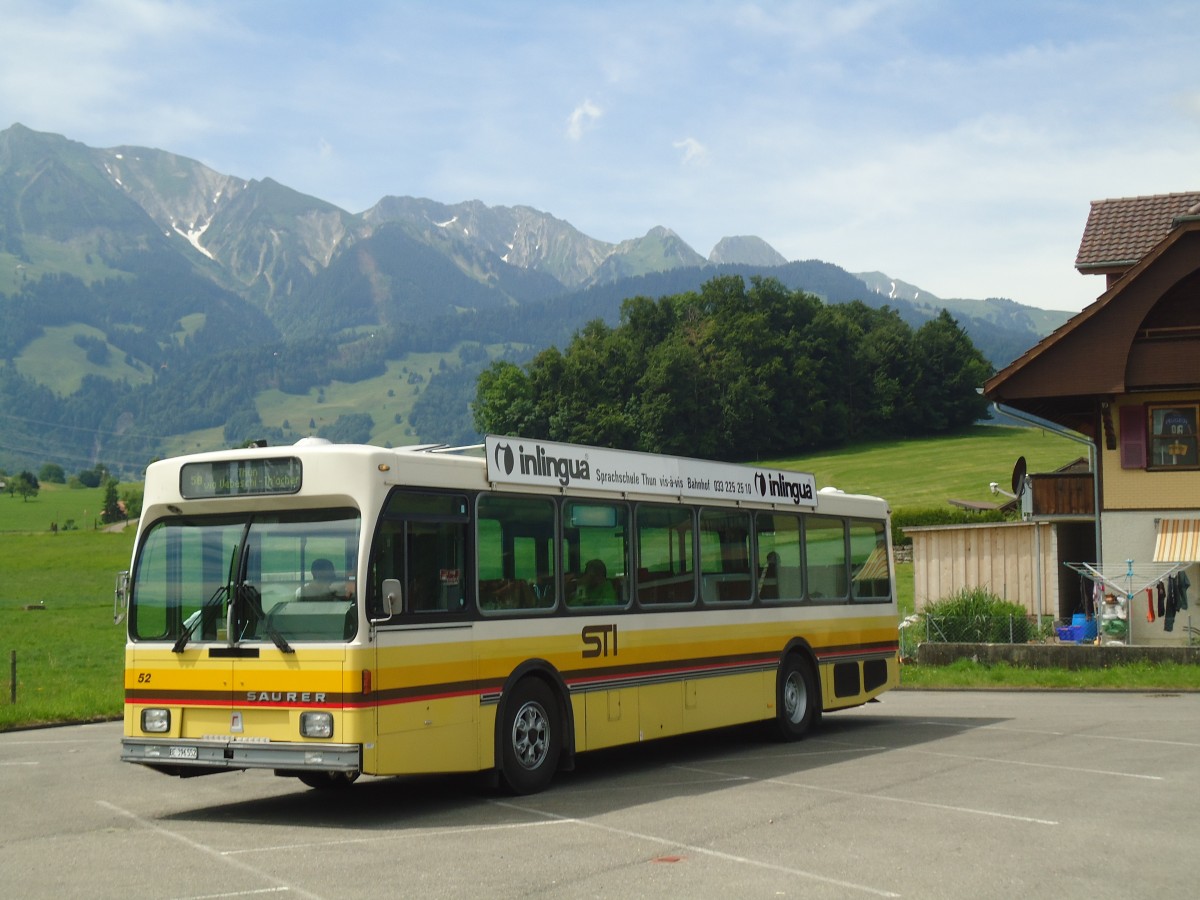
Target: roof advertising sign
x=514 y=460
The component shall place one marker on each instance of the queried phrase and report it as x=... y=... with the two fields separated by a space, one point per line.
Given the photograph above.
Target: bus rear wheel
x=531 y=738
x=798 y=701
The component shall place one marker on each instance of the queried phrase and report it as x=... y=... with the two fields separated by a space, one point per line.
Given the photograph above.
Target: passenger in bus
x=593 y=587
x=768 y=580
x=324 y=585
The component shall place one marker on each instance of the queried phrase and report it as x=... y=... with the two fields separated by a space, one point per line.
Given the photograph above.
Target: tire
x=328 y=781
x=797 y=698
x=530 y=738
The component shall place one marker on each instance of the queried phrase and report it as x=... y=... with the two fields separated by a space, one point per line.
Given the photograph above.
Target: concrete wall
x=1065 y=656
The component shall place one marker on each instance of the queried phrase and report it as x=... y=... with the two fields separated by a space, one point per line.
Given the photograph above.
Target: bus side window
x=870 y=578
x=515 y=540
x=778 y=564
x=595 y=554
x=825 y=557
x=422 y=544
x=724 y=556
x=666 y=565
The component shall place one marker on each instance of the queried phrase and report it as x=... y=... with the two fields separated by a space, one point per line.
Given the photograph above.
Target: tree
x=112 y=510
x=53 y=473
x=504 y=401
x=949 y=370
x=350 y=428
x=24 y=485
x=93 y=477
x=131 y=496
x=739 y=372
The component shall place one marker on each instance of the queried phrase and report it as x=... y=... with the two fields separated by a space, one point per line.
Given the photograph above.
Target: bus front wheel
x=531 y=738
x=798 y=701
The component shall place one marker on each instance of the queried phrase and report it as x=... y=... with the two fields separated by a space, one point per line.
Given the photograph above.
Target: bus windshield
x=283 y=577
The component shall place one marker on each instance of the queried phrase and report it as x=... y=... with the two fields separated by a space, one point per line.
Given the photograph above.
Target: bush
x=911 y=516
x=975 y=616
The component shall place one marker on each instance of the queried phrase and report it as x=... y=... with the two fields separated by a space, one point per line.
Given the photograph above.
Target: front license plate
x=183 y=753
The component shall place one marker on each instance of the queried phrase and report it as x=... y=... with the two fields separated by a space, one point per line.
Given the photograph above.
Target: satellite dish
x=1018 y=476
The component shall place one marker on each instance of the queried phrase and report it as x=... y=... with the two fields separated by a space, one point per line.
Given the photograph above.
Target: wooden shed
x=1021 y=562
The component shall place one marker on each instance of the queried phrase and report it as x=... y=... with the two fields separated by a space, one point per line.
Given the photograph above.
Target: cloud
x=694 y=152
x=582 y=118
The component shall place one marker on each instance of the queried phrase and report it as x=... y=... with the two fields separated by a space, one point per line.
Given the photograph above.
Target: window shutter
x=1133 y=437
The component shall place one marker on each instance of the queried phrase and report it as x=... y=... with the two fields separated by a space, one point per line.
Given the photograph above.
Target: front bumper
x=224 y=754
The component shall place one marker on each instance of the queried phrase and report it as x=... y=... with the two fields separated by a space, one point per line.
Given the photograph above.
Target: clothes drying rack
x=1127 y=582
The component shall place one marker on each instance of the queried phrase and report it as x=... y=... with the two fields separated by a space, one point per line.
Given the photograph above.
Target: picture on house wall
x=1173 y=436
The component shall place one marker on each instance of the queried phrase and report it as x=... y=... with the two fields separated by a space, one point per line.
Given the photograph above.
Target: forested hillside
x=736 y=371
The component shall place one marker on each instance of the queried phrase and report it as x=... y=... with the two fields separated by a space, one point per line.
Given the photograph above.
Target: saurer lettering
x=285 y=696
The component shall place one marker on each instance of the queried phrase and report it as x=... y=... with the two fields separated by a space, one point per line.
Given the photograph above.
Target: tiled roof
x=1120 y=232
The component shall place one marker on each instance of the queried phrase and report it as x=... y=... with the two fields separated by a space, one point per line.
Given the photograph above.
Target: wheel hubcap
x=531 y=735
x=795 y=698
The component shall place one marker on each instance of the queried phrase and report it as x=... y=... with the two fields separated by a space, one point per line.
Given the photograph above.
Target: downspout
x=1039 y=422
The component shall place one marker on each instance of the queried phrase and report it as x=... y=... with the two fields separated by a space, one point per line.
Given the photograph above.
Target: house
x=1019 y=561
x=1125 y=375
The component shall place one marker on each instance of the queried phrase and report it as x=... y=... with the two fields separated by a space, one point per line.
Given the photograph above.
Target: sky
x=952 y=144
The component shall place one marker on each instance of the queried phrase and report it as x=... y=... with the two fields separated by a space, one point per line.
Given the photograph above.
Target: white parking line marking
x=1034 y=765
x=703 y=851
x=865 y=796
x=390 y=837
x=271 y=890
x=202 y=848
x=1072 y=734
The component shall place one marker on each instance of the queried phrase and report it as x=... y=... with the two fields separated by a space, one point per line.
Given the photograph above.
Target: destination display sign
x=240 y=478
x=512 y=460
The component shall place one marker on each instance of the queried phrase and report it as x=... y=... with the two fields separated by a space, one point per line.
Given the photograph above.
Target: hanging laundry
x=1162 y=599
x=1172 y=604
x=1149 y=605
x=1182 y=584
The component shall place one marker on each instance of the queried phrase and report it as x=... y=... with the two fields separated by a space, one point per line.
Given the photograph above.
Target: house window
x=1173 y=436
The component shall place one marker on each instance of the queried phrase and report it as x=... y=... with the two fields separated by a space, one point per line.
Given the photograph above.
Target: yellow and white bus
x=326 y=610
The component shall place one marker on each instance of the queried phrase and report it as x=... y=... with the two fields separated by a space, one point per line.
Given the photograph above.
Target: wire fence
x=920 y=628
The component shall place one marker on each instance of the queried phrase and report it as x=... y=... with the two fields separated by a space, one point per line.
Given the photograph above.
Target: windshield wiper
x=279 y=639
x=251 y=598
x=212 y=601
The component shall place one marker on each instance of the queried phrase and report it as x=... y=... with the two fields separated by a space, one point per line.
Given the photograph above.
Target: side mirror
x=391 y=598
x=120 y=597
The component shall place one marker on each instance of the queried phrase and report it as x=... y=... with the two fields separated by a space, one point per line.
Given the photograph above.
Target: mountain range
x=149 y=304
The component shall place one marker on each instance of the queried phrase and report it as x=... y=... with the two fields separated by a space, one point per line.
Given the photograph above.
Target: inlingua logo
x=778 y=485
x=562 y=468
x=504 y=458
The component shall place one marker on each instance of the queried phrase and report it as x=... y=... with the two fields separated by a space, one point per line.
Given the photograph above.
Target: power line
x=84 y=428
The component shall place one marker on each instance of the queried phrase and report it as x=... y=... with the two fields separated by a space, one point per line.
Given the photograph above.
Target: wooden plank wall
x=997 y=557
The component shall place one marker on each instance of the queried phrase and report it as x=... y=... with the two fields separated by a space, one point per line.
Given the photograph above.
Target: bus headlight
x=156 y=721
x=316 y=724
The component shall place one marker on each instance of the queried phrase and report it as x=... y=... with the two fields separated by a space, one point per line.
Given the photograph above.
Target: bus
x=326 y=611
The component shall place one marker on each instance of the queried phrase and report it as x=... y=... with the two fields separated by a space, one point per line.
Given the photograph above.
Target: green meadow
x=929 y=471
x=56 y=588
x=55 y=360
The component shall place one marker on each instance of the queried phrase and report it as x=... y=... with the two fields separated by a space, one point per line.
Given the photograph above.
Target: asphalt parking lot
x=926 y=794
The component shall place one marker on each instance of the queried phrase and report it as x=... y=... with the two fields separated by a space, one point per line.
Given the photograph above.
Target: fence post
x=12 y=670
x=1010 y=629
